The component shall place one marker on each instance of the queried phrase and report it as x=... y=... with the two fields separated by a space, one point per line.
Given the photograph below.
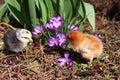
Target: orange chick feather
x=87 y=45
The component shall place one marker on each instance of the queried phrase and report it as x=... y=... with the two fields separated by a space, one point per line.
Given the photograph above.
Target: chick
x=87 y=45
x=17 y=40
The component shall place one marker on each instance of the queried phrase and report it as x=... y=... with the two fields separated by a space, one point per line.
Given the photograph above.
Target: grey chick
x=17 y=40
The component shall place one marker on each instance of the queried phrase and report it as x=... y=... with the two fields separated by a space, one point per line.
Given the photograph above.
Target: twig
x=8 y=25
x=9 y=73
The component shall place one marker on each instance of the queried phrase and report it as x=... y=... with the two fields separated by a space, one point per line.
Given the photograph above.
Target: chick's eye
x=71 y=39
x=25 y=37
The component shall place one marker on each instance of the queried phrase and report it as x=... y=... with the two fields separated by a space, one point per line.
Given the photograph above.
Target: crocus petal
x=47 y=25
x=34 y=33
x=62 y=63
x=56 y=18
x=70 y=62
x=61 y=35
x=61 y=59
x=53 y=41
x=50 y=44
x=62 y=38
x=66 y=55
x=76 y=28
x=62 y=43
x=64 y=60
x=73 y=27
x=57 y=25
x=38 y=29
x=53 y=19
x=95 y=34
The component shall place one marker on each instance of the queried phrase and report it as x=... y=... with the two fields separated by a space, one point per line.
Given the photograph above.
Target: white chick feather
x=17 y=40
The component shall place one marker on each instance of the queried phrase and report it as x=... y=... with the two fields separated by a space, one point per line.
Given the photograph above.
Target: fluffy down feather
x=87 y=45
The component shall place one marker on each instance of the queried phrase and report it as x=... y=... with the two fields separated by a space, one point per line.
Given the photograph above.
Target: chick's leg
x=88 y=56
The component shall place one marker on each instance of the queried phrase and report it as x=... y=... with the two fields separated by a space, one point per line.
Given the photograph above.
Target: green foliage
x=90 y=13
x=65 y=9
x=32 y=12
x=3 y=10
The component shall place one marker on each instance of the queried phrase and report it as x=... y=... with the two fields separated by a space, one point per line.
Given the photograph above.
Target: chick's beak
x=31 y=40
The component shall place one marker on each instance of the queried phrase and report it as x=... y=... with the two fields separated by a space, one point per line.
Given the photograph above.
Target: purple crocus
x=38 y=30
x=56 y=18
x=73 y=27
x=53 y=41
x=97 y=35
x=49 y=26
x=64 y=60
x=62 y=38
x=55 y=23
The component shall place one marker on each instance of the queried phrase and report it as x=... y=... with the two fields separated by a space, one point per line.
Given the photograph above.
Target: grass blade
x=81 y=9
x=32 y=11
x=49 y=8
x=66 y=10
x=37 y=4
x=3 y=10
x=44 y=11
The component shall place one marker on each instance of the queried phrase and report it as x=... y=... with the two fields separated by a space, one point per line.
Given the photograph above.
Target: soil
x=38 y=62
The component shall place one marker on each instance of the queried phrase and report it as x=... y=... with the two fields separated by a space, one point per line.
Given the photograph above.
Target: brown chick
x=87 y=45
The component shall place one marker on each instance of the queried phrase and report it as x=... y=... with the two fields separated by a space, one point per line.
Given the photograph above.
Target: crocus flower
x=55 y=23
x=62 y=39
x=38 y=30
x=73 y=27
x=49 y=26
x=53 y=41
x=64 y=60
x=56 y=18
x=96 y=34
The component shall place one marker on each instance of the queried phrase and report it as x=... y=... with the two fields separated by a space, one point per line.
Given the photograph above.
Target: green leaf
x=25 y=10
x=82 y=25
x=90 y=13
x=82 y=13
x=74 y=3
x=82 y=10
x=44 y=11
x=37 y=4
x=73 y=20
x=49 y=8
x=3 y=9
x=32 y=11
x=66 y=10
x=6 y=19
x=15 y=9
